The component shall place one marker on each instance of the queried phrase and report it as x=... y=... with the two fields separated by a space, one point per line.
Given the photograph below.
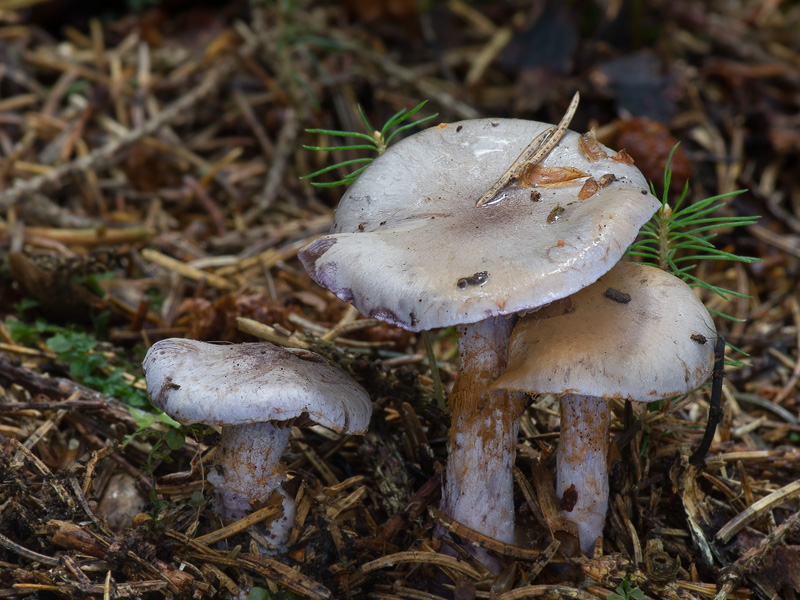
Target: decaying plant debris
x=149 y=188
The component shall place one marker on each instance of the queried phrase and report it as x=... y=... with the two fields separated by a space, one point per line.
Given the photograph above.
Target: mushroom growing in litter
x=639 y=334
x=254 y=392
x=409 y=246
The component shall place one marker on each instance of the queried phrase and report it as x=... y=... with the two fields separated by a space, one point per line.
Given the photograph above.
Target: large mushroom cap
x=238 y=384
x=409 y=246
x=638 y=333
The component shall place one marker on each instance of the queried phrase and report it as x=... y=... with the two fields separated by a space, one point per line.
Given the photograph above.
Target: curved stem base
x=483 y=436
x=248 y=470
x=582 y=464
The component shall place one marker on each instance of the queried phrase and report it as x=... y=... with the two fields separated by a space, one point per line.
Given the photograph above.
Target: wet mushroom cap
x=408 y=245
x=239 y=384
x=638 y=333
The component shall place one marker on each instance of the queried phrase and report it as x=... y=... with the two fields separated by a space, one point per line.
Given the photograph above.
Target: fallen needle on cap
x=534 y=153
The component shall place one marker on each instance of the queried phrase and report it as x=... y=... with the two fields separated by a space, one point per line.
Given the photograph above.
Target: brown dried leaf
x=589 y=189
x=541 y=175
x=51 y=280
x=782 y=568
x=623 y=157
x=590 y=147
x=217 y=320
x=650 y=143
x=606 y=180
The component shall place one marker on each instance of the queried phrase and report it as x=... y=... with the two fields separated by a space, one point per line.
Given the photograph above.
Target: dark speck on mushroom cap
x=588 y=343
x=236 y=384
x=408 y=229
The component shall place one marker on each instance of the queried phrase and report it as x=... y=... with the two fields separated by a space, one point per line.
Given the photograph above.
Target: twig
x=428 y=558
x=266 y=513
x=185 y=270
x=284 y=147
x=496 y=44
x=534 y=591
x=754 y=557
x=534 y=153
x=29 y=554
x=488 y=543
x=714 y=410
x=109 y=153
x=98 y=236
x=350 y=315
x=78 y=493
x=59 y=386
x=55 y=404
x=267 y=149
x=792 y=383
x=753 y=511
x=425 y=85
x=267 y=333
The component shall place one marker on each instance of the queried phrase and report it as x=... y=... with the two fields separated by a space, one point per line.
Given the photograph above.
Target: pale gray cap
x=638 y=333
x=239 y=384
x=409 y=246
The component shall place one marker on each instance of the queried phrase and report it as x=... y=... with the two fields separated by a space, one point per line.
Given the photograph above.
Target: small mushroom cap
x=238 y=384
x=409 y=246
x=638 y=333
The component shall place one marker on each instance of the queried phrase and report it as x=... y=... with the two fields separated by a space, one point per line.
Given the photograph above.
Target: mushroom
x=409 y=246
x=638 y=333
x=254 y=392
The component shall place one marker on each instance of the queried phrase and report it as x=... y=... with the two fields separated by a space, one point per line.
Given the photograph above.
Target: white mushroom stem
x=582 y=461
x=483 y=434
x=247 y=468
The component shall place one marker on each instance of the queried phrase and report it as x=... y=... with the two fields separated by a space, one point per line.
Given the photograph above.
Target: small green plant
x=374 y=140
x=137 y=7
x=625 y=592
x=680 y=235
x=150 y=426
x=258 y=593
x=78 y=350
x=92 y=368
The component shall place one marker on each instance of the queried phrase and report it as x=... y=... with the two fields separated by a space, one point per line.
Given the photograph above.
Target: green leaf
x=377 y=142
x=21 y=332
x=164 y=418
x=60 y=343
x=409 y=126
x=258 y=593
x=159 y=506
x=336 y=166
x=679 y=237
x=175 y=439
x=25 y=305
x=143 y=419
x=332 y=148
x=364 y=120
x=337 y=133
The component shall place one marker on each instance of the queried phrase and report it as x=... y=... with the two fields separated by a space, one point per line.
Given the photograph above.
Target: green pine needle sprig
x=681 y=235
x=374 y=140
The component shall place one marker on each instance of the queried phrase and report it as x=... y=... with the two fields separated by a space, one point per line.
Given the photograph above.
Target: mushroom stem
x=582 y=462
x=249 y=456
x=483 y=432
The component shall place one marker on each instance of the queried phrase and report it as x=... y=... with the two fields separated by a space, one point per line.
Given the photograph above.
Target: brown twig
x=755 y=510
x=111 y=152
x=754 y=557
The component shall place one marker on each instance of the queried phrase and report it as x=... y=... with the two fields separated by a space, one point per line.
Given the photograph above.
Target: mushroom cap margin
x=409 y=247
x=237 y=384
x=658 y=345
